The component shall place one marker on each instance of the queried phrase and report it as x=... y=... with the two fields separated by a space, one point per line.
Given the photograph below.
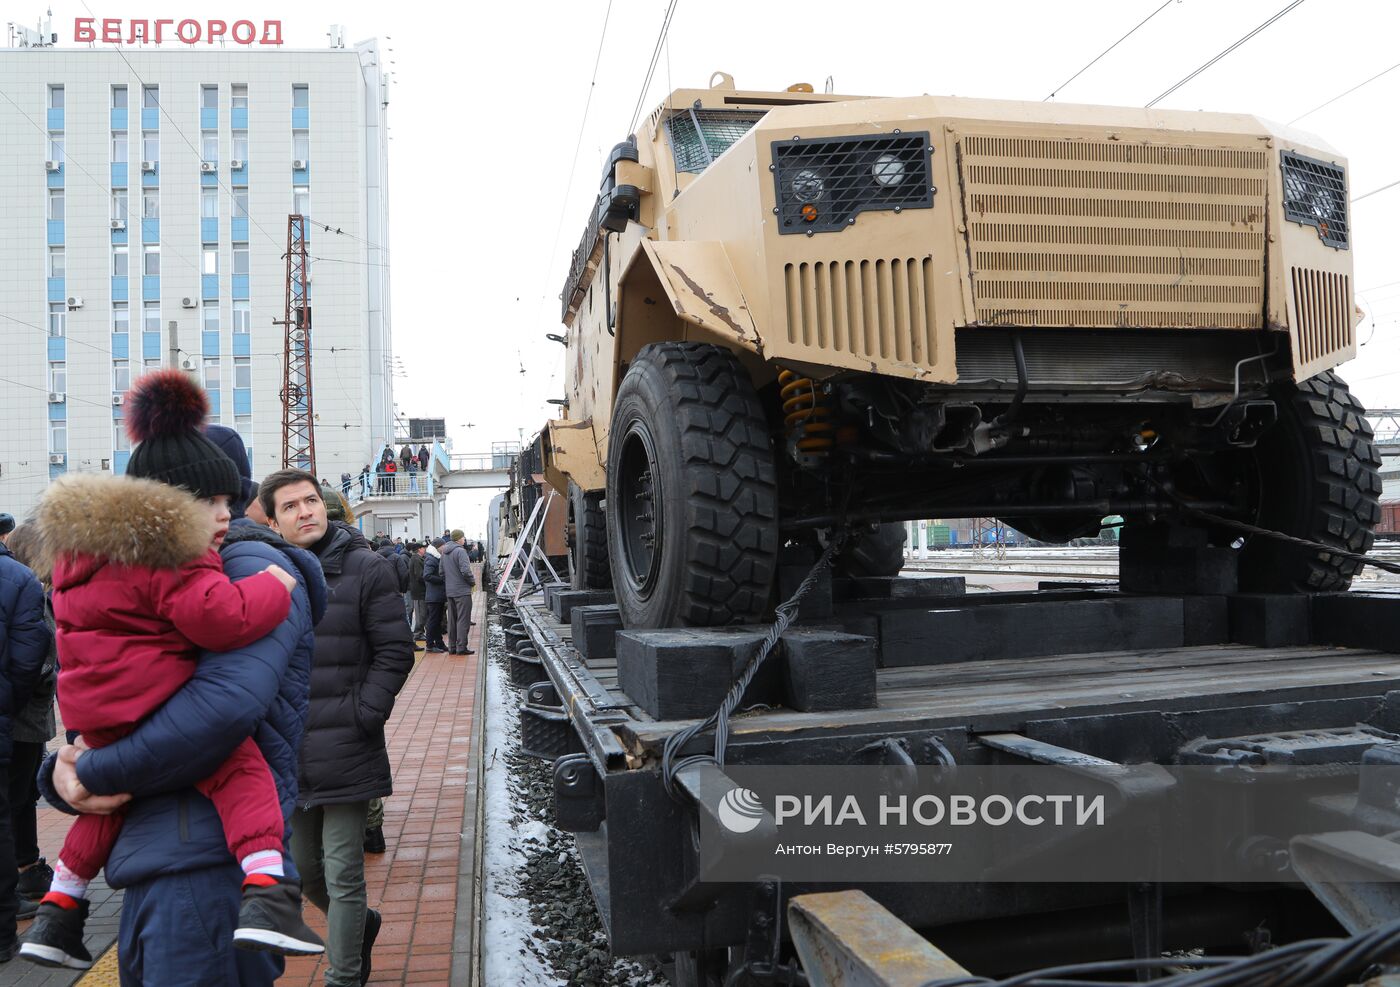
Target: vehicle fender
x=571 y=453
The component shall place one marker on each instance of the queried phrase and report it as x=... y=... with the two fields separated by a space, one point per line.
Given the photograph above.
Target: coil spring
x=806 y=414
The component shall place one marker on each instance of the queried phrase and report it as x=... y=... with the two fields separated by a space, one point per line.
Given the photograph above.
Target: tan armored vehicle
x=792 y=312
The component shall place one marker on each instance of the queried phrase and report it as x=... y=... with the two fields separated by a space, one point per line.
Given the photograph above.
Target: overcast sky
x=488 y=104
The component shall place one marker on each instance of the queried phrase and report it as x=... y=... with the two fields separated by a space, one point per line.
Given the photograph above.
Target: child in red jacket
x=138 y=592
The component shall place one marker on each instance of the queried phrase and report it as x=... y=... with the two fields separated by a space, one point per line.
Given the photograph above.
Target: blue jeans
x=177 y=931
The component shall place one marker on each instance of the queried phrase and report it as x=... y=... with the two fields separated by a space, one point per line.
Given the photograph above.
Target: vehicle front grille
x=872 y=309
x=835 y=178
x=1321 y=312
x=1082 y=233
x=1315 y=194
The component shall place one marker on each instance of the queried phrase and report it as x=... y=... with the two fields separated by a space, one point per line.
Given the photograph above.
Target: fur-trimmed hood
x=120 y=519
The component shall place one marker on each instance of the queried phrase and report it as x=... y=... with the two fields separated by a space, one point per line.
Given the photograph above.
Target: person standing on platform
x=24 y=643
x=457 y=573
x=434 y=597
x=363 y=656
x=417 y=590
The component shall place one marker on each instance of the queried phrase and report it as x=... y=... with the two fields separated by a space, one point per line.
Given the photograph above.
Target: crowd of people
x=225 y=656
x=383 y=477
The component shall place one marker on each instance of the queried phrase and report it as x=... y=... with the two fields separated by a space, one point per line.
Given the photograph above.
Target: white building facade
x=144 y=196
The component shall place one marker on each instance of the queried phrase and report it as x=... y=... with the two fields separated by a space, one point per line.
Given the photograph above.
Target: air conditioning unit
x=52 y=165
x=148 y=166
x=74 y=301
x=299 y=164
x=57 y=397
x=188 y=302
x=236 y=164
x=208 y=167
x=116 y=399
x=57 y=459
x=187 y=364
x=118 y=224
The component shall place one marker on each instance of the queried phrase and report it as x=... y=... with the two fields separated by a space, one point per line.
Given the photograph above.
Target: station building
x=145 y=191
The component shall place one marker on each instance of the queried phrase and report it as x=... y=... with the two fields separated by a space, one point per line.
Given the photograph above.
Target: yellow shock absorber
x=806 y=415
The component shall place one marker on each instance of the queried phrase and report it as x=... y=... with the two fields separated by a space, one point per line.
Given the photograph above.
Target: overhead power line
x=651 y=67
x=1173 y=88
x=1348 y=92
x=1367 y=195
x=1101 y=54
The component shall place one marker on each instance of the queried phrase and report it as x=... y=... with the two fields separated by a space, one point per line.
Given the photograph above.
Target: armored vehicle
x=792 y=313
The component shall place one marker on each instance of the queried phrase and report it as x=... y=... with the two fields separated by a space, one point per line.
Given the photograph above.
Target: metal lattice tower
x=298 y=414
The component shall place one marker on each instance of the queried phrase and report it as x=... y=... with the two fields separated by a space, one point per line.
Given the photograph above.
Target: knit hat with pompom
x=165 y=414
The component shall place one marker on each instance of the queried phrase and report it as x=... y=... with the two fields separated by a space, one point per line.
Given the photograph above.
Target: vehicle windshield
x=694 y=149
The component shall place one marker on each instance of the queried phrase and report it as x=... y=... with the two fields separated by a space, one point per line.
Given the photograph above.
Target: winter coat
x=390 y=554
x=34 y=724
x=417 y=589
x=434 y=582
x=364 y=652
x=457 y=570
x=259 y=691
x=137 y=595
x=24 y=641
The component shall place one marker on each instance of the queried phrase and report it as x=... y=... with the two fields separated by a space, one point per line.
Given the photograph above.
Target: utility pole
x=298 y=413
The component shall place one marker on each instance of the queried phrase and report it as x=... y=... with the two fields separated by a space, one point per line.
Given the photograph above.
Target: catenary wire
x=1367 y=195
x=1173 y=88
x=651 y=67
x=1348 y=92
x=578 y=145
x=1054 y=92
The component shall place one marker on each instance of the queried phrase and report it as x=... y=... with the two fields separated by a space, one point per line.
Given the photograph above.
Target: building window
x=240 y=145
x=242 y=316
x=300 y=97
x=58 y=376
x=56 y=146
x=211 y=373
x=119 y=204
x=150 y=366
x=119 y=261
x=209 y=141
x=58 y=316
x=56 y=203
x=121 y=317
x=301 y=200
x=210 y=255
x=209 y=203
x=119 y=97
x=150 y=97
x=240 y=202
x=150 y=203
x=120 y=441
x=240 y=258
x=150 y=317
x=150 y=145
x=238 y=95
x=242 y=371
x=55 y=97
x=58 y=437
x=301 y=145
x=209 y=97
x=150 y=265
x=210 y=316
x=119 y=146
x=56 y=262
x=121 y=376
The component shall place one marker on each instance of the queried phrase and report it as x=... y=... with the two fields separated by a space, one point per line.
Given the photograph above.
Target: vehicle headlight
x=887 y=170
x=807 y=186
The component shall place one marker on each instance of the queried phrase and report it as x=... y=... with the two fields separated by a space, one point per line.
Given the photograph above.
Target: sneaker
x=270 y=920
x=435 y=651
x=56 y=937
x=34 y=882
x=27 y=909
x=374 y=840
x=373 y=920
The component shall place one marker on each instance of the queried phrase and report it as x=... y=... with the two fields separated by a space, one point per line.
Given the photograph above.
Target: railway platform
x=424 y=884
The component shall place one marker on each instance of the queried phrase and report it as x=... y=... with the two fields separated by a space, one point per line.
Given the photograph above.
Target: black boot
x=34 y=882
x=270 y=920
x=373 y=920
x=56 y=938
x=374 y=840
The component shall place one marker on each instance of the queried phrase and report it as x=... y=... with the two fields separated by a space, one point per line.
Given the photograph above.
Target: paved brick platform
x=414 y=884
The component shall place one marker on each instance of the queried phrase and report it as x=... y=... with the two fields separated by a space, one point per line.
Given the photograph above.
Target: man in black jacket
x=417 y=590
x=363 y=656
x=435 y=596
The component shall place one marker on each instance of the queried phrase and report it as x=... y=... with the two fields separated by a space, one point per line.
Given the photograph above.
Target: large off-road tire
x=692 y=502
x=874 y=553
x=1318 y=478
x=588 y=543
